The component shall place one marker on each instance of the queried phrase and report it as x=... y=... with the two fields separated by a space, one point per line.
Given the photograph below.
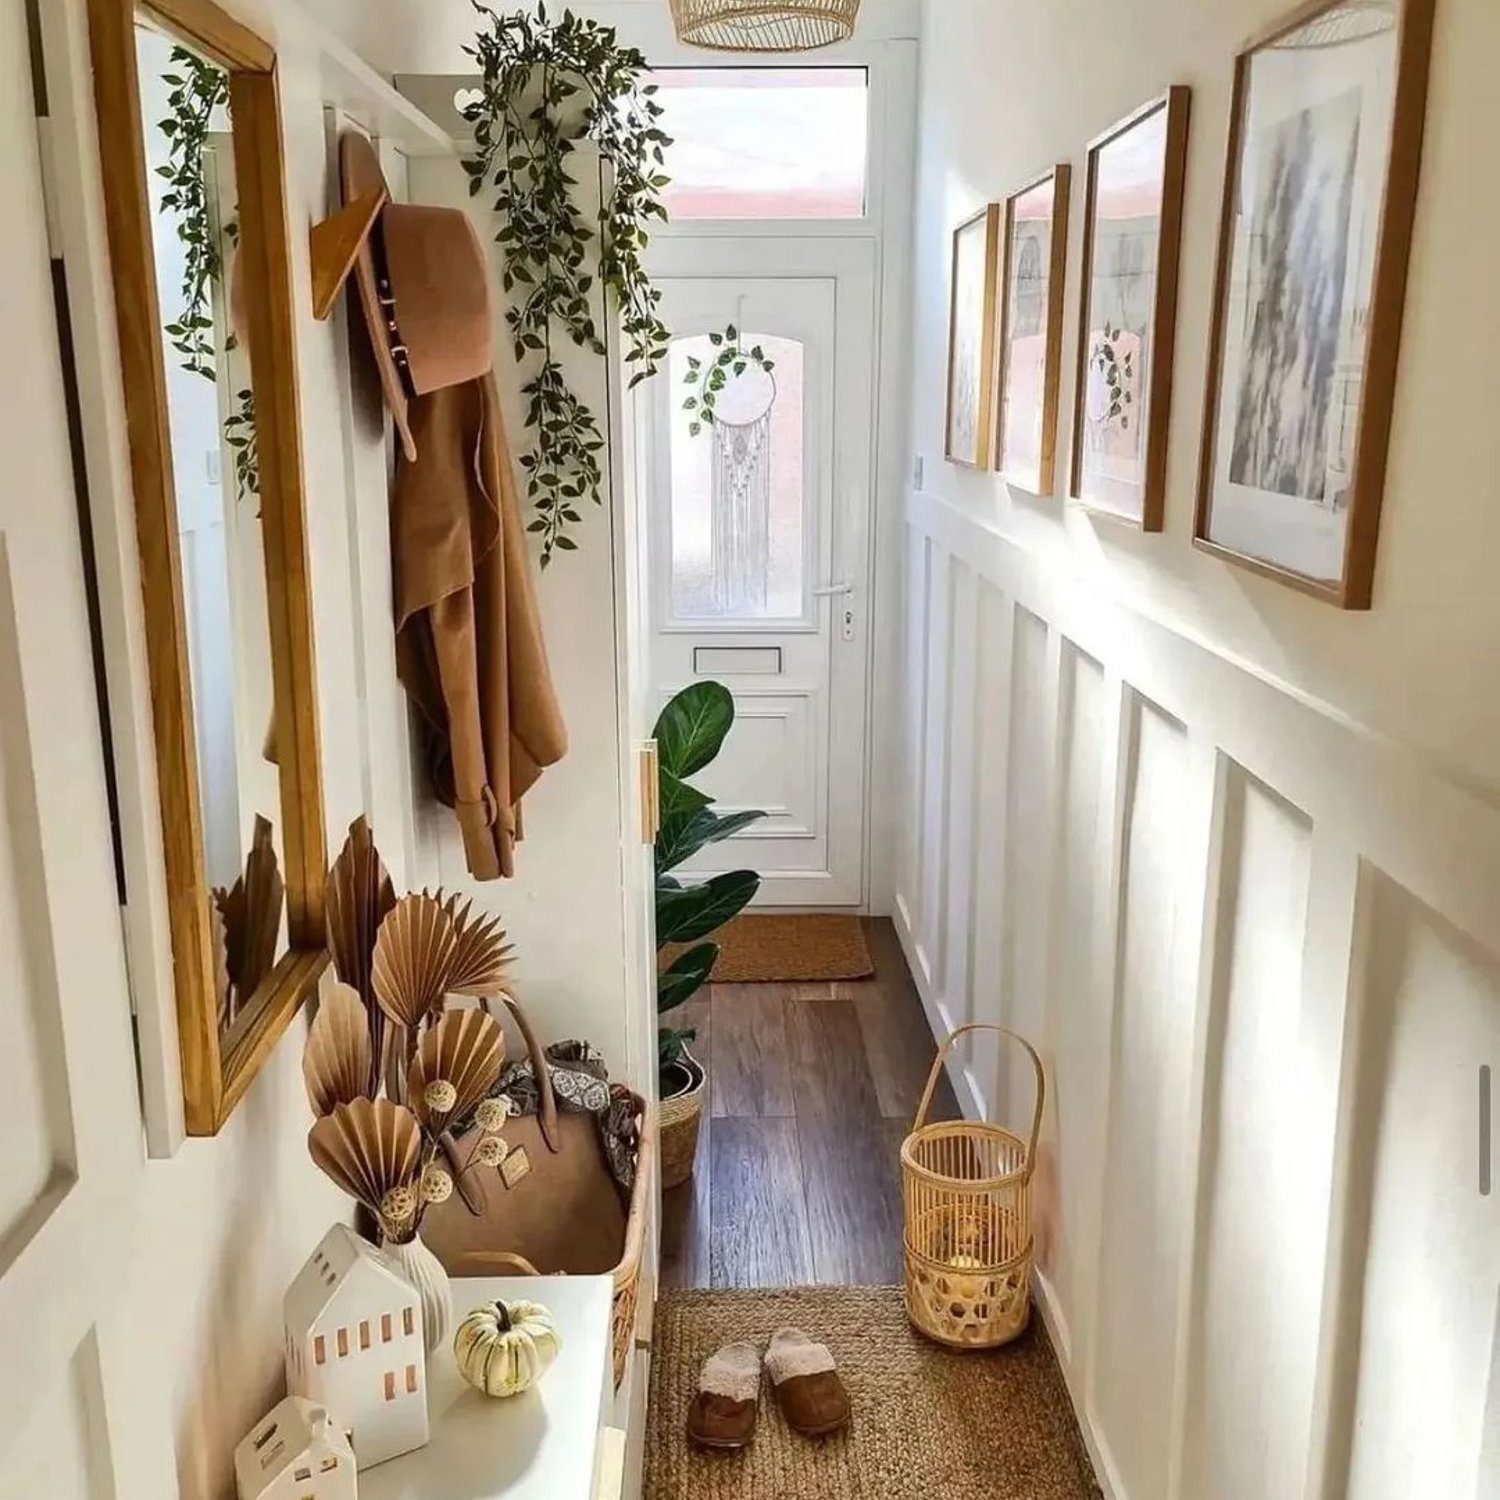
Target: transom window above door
x=765 y=143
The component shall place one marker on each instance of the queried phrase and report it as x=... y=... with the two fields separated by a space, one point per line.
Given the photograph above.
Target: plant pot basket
x=966 y=1189
x=681 y=1116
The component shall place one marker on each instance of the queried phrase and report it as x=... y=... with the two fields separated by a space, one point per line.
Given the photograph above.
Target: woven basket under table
x=966 y=1187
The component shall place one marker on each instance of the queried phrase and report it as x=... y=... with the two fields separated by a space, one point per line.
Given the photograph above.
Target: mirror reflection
x=202 y=297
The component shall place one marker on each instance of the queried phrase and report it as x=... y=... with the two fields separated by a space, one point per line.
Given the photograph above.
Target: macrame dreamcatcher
x=734 y=400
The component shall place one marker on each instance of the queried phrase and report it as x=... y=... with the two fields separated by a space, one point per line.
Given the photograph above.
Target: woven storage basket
x=966 y=1188
x=626 y=1275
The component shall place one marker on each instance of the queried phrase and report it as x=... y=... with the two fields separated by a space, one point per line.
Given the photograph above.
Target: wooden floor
x=812 y=1088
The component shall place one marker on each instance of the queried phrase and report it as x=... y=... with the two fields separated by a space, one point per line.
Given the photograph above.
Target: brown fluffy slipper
x=807 y=1385
x=723 y=1412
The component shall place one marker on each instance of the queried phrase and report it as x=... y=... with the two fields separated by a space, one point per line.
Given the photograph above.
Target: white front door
x=84 y=1417
x=759 y=522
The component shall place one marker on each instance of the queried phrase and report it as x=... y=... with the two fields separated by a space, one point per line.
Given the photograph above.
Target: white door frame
x=892 y=64
x=841 y=549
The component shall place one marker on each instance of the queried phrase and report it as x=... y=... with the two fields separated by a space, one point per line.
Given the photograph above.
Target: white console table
x=553 y=1442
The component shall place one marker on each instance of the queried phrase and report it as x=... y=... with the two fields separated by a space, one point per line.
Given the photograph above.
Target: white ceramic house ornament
x=295 y=1452
x=354 y=1344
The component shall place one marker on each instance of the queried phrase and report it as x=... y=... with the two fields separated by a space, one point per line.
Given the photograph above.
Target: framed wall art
x=1324 y=148
x=971 y=339
x=1036 y=256
x=1131 y=239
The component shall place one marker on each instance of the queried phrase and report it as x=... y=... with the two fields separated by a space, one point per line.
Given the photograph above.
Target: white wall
x=215 y=1229
x=1222 y=851
x=1011 y=87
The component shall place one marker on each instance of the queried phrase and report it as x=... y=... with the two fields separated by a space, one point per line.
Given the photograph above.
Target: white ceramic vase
x=425 y=1272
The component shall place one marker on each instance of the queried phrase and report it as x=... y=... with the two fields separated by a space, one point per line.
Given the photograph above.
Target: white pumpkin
x=504 y=1348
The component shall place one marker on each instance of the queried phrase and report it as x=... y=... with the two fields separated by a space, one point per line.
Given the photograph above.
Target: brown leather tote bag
x=564 y=1214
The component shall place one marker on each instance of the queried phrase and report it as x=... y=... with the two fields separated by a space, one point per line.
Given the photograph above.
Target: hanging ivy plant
x=549 y=86
x=733 y=359
x=239 y=434
x=197 y=88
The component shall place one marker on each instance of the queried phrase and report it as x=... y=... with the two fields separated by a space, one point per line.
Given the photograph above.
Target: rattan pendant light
x=764 y=25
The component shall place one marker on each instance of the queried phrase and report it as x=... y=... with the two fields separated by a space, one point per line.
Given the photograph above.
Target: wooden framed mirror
x=195 y=203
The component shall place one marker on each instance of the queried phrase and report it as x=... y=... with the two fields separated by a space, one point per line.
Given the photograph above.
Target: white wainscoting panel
x=1425 y=1325
x=934 y=822
x=1264 y=1167
x=1075 y=1041
x=1258 y=949
x=1144 y=1191
x=1025 y=891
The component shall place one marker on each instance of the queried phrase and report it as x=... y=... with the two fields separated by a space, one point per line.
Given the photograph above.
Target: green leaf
x=686 y=975
x=690 y=729
x=684 y=916
x=679 y=798
x=689 y=830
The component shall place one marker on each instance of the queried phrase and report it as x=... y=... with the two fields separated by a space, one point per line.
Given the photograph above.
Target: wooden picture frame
x=971 y=303
x=217 y=1069
x=1170 y=113
x=1371 y=375
x=1041 y=481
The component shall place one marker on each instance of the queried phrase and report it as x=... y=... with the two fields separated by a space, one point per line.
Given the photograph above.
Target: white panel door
x=759 y=526
x=83 y=1418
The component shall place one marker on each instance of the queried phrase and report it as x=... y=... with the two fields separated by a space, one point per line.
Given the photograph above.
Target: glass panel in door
x=739 y=518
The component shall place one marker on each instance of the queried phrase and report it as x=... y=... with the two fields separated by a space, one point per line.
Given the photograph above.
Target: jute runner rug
x=928 y=1424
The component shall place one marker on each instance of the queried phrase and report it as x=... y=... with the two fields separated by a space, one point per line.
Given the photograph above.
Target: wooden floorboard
x=760 y=1222
x=748 y=1074
x=853 y=1212
x=898 y=1041
x=812 y=1090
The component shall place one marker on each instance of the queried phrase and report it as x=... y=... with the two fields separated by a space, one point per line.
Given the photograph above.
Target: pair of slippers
x=804 y=1380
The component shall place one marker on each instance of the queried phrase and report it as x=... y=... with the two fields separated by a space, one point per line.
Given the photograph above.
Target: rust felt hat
x=425 y=290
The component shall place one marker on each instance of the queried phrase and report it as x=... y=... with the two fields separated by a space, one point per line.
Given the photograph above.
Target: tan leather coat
x=469 y=646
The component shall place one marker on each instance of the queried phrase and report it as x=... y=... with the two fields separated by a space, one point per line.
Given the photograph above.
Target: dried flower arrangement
x=390 y=1072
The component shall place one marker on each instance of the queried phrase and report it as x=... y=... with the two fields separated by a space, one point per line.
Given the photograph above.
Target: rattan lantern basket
x=764 y=25
x=966 y=1188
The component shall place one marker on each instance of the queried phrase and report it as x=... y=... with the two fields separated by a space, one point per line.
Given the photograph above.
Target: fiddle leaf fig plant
x=689 y=733
x=549 y=87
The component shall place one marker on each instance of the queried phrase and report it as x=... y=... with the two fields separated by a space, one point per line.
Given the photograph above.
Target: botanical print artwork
x=1124 y=238
x=1028 y=298
x=1298 y=267
x=969 y=353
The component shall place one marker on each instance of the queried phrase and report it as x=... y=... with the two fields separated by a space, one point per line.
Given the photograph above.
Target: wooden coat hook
x=335 y=244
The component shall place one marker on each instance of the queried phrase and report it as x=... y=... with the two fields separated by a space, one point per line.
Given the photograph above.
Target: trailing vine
x=239 y=435
x=197 y=88
x=733 y=359
x=549 y=86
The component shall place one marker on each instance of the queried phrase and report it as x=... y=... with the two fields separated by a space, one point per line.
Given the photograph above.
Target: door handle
x=833 y=590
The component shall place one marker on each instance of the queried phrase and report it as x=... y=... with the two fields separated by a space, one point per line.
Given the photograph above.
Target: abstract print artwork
x=1320 y=196
x=1300 y=221
x=1131 y=240
x=971 y=338
x=1035 y=247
